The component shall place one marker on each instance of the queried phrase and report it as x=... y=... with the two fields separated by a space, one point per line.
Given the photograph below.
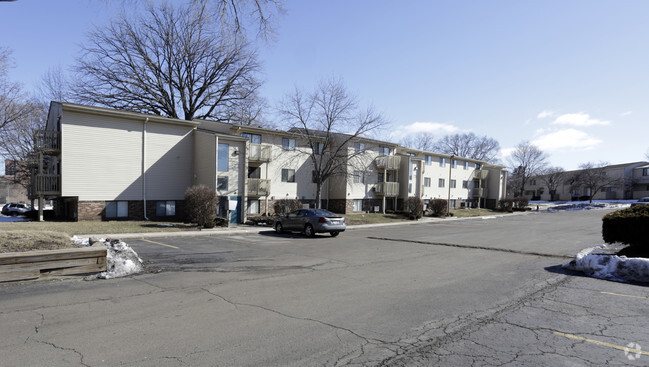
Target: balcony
x=387 y=189
x=388 y=162
x=259 y=153
x=479 y=192
x=46 y=184
x=48 y=141
x=258 y=187
x=480 y=174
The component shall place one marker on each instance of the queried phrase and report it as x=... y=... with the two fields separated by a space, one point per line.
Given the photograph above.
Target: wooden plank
x=92 y=268
x=19 y=275
x=45 y=265
x=50 y=255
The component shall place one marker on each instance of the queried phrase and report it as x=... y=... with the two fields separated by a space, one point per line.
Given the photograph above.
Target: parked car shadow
x=273 y=233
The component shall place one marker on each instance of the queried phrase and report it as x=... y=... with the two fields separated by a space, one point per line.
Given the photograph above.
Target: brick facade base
x=96 y=210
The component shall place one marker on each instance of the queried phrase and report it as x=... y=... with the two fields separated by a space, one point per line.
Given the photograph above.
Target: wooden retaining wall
x=51 y=264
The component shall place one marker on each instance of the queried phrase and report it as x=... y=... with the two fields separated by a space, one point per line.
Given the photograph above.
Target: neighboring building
x=11 y=191
x=102 y=164
x=629 y=181
x=11 y=167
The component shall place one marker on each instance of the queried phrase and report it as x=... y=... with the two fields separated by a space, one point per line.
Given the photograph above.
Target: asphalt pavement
x=478 y=292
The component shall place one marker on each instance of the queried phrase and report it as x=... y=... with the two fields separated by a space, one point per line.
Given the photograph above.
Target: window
x=645 y=171
x=288 y=144
x=288 y=175
x=223 y=163
x=165 y=208
x=426 y=181
x=313 y=176
x=466 y=165
x=533 y=182
x=357 y=205
x=359 y=177
x=452 y=203
x=453 y=184
x=384 y=150
x=222 y=183
x=608 y=189
x=253 y=206
x=411 y=154
x=465 y=184
x=254 y=138
x=116 y=209
x=441 y=182
x=429 y=160
x=478 y=166
x=454 y=163
x=317 y=148
x=442 y=162
x=359 y=147
x=409 y=188
x=254 y=172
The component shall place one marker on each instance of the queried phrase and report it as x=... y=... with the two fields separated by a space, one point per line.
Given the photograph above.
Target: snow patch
x=609 y=267
x=121 y=259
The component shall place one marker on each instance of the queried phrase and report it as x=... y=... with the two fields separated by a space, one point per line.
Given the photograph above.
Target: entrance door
x=235 y=210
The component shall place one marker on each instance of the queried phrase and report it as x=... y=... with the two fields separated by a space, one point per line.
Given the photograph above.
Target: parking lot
x=458 y=292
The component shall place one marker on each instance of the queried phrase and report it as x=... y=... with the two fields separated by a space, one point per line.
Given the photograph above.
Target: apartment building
x=623 y=181
x=103 y=164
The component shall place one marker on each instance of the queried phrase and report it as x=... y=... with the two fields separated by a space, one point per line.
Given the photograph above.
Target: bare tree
x=469 y=145
x=169 y=61
x=423 y=141
x=526 y=161
x=237 y=16
x=12 y=97
x=55 y=86
x=329 y=120
x=553 y=177
x=593 y=178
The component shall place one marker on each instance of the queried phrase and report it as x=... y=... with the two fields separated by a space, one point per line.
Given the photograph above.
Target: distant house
x=103 y=164
x=629 y=181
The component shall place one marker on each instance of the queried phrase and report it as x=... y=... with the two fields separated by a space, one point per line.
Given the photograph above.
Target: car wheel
x=308 y=230
x=334 y=233
x=14 y=214
x=279 y=228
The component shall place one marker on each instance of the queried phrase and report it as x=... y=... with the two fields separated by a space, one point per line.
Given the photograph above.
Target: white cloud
x=544 y=114
x=566 y=139
x=578 y=119
x=437 y=129
x=626 y=113
x=505 y=152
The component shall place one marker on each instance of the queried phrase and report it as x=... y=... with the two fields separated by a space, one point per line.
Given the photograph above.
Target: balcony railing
x=258 y=187
x=46 y=184
x=479 y=192
x=387 y=189
x=259 y=153
x=480 y=174
x=48 y=141
x=389 y=162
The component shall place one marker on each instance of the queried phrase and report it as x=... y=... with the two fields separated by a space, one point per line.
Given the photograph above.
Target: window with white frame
x=442 y=162
x=288 y=175
x=441 y=182
x=223 y=164
x=465 y=184
x=288 y=143
x=254 y=138
x=318 y=147
x=429 y=160
x=409 y=188
x=116 y=209
x=165 y=208
x=222 y=183
x=454 y=163
x=357 y=205
x=466 y=165
x=645 y=171
x=478 y=166
x=453 y=184
x=426 y=181
x=359 y=177
x=384 y=150
x=452 y=203
x=359 y=147
x=253 y=206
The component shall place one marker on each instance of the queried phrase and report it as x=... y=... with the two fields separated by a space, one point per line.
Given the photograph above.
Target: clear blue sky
x=570 y=76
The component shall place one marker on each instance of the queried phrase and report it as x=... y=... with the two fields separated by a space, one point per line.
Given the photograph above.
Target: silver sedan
x=311 y=221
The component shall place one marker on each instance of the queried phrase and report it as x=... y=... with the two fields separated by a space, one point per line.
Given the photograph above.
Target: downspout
x=144 y=167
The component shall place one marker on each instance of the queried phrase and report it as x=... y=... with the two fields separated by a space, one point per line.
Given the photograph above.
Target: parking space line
x=604 y=344
x=624 y=295
x=158 y=243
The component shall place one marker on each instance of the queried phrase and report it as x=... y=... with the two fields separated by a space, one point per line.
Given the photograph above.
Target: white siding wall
x=205 y=159
x=283 y=159
x=236 y=168
x=101 y=158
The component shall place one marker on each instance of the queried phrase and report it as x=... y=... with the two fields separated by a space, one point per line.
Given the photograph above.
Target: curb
x=250 y=229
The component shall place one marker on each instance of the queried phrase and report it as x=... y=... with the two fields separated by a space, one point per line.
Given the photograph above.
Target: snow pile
x=610 y=267
x=5 y=218
x=121 y=259
x=584 y=205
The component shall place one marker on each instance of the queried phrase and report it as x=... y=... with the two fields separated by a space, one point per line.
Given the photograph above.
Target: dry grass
x=463 y=213
x=372 y=218
x=19 y=241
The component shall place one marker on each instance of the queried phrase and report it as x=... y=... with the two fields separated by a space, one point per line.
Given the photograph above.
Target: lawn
x=372 y=218
x=463 y=213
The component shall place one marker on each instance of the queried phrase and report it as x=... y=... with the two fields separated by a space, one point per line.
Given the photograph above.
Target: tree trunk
x=318 y=187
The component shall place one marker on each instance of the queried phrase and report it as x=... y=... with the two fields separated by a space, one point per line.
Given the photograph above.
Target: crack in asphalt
x=472 y=247
x=37 y=329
